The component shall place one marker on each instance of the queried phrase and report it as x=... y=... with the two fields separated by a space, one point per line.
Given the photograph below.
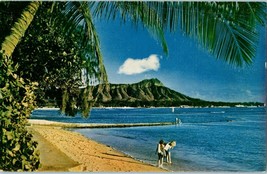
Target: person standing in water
x=161 y=153
x=167 y=149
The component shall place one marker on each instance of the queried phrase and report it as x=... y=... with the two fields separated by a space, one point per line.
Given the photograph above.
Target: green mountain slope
x=147 y=93
x=150 y=92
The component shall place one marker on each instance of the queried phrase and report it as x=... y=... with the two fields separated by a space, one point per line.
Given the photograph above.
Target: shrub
x=17 y=100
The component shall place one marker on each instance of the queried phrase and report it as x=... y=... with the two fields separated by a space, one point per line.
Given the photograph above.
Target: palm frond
x=228 y=30
x=135 y=12
x=19 y=28
x=78 y=16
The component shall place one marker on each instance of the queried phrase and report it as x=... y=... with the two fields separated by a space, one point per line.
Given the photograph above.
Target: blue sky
x=132 y=54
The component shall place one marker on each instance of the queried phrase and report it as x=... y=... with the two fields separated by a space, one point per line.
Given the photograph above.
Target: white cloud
x=137 y=66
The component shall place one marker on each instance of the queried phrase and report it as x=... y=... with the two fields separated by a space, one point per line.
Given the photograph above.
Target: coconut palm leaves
x=78 y=15
x=228 y=30
x=139 y=13
x=19 y=28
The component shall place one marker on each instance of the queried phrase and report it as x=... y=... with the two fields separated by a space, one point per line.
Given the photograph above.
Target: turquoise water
x=209 y=139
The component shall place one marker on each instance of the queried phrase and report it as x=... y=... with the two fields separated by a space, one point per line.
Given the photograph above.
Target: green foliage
x=138 y=12
x=87 y=100
x=46 y=55
x=9 y=12
x=227 y=30
x=52 y=57
x=19 y=28
x=78 y=14
x=17 y=100
x=55 y=61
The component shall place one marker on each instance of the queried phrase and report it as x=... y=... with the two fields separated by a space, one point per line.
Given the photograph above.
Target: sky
x=131 y=54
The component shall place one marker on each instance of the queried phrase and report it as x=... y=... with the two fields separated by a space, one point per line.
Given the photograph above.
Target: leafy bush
x=17 y=100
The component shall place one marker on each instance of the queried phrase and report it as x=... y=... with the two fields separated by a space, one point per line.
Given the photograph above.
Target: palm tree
x=228 y=30
x=19 y=28
x=78 y=15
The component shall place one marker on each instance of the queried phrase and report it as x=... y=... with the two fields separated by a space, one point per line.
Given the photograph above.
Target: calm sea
x=209 y=139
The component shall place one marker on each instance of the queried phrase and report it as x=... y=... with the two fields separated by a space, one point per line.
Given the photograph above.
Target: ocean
x=209 y=139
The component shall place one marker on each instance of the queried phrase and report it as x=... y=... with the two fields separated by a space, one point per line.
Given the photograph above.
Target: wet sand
x=63 y=150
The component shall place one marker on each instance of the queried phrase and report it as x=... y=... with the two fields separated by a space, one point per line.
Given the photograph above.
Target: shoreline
x=161 y=107
x=63 y=150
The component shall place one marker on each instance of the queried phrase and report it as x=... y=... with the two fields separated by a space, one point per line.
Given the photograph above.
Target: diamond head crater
x=148 y=93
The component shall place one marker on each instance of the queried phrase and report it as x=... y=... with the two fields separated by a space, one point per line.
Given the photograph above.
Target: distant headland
x=153 y=93
x=146 y=93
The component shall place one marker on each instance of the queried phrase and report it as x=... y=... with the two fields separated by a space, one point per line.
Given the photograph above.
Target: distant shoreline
x=127 y=107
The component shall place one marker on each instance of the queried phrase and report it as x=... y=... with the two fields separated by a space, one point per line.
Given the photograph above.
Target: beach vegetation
x=53 y=60
x=17 y=100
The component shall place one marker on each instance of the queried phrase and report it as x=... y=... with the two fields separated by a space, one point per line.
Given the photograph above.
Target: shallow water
x=209 y=139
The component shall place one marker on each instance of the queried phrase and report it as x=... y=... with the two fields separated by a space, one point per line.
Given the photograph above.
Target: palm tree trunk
x=19 y=28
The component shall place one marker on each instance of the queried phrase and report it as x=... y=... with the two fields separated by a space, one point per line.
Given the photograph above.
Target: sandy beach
x=62 y=150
